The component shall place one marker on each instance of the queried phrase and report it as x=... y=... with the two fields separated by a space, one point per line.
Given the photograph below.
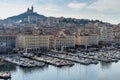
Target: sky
x=103 y=10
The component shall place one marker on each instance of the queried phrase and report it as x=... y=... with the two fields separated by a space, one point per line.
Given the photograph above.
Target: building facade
x=87 y=40
x=106 y=34
x=116 y=34
x=33 y=42
x=64 y=42
x=7 y=43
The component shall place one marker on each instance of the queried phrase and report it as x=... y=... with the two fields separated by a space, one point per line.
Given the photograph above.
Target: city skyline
x=107 y=11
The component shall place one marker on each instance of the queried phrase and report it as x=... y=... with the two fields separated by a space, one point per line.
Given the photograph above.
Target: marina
x=51 y=60
x=24 y=62
x=72 y=58
x=102 y=56
x=59 y=40
x=61 y=59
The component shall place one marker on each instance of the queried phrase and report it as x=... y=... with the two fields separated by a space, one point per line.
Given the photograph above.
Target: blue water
x=101 y=71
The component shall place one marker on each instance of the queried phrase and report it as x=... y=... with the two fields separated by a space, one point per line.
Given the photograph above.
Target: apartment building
x=33 y=42
x=87 y=39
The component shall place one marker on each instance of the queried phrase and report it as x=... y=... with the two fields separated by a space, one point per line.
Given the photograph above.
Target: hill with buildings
x=27 y=17
x=33 y=17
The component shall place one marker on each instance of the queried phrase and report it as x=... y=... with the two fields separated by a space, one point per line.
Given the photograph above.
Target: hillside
x=31 y=15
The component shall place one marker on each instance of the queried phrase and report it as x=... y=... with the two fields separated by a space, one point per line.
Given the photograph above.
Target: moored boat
x=5 y=75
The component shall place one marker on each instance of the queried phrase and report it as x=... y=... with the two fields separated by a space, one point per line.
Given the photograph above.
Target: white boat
x=5 y=75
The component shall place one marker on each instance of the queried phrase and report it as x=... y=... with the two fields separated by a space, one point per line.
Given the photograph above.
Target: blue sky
x=105 y=10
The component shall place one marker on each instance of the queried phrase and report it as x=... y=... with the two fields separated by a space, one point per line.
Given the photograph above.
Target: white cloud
x=76 y=5
x=51 y=9
x=106 y=5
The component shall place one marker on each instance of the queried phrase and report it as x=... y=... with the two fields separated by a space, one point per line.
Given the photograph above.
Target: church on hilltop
x=31 y=15
x=29 y=11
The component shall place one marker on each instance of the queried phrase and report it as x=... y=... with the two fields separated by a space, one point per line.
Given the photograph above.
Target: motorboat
x=5 y=75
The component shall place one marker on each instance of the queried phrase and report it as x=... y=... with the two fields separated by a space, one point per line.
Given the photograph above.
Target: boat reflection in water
x=105 y=65
x=34 y=69
x=101 y=71
x=7 y=67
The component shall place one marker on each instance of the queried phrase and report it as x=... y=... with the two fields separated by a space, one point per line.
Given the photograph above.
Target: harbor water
x=101 y=71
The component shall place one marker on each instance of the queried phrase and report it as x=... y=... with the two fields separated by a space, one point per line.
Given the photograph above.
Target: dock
x=72 y=58
x=24 y=62
x=51 y=60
